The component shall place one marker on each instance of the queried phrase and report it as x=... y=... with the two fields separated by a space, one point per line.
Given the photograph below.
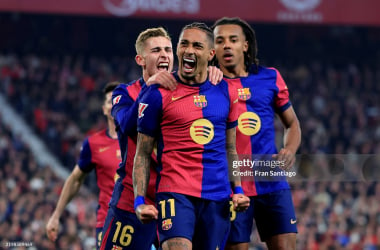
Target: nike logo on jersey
x=176 y=98
x=103 y=149
x=293 y=221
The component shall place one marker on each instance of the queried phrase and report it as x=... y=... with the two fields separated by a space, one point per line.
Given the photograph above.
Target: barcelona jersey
x=190 y=126
x=101 y=152
x=261 y=96
x=124 y=111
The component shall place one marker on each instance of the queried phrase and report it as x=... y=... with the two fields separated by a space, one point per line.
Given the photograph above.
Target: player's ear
x=212 y=54
x=245 y=46
x=104 y=109
x=140 y=60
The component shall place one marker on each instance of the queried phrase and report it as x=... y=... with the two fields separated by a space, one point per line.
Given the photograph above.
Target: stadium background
x=54 y=60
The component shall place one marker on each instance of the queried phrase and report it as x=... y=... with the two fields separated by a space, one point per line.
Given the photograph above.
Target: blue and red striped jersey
x=100 y=152
x=190 y=125
x=261 y=95
x=124 y=110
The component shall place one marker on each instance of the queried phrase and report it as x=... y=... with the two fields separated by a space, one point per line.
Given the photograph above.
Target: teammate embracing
x=194 y=127
x=122 y=229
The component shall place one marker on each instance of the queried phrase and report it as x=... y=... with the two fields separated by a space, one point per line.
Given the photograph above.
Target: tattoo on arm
x=141 y=165
x=232 y=156
x=176 y=243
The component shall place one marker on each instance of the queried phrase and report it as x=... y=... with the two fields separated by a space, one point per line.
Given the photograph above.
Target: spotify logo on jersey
x=202 y=131
x=249 y=123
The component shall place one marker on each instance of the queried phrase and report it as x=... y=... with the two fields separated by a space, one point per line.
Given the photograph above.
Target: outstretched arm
x=70 y=189
x=141 y=174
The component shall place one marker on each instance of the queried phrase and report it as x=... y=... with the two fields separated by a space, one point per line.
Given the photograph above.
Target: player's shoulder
x=121 y=89
x=264 y=71
x=127 y=91
x=157 y=89
x=98 y=135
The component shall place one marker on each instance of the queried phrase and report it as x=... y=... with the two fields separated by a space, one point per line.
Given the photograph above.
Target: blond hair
x=148 y=33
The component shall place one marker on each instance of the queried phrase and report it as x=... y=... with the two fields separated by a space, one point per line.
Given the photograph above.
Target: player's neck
x=199 y=78
x=234 y=71
x=145 y=76
x=111 y=129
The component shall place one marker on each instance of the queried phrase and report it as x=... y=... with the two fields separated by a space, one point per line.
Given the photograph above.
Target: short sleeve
x=150 y=111
x=85 y=157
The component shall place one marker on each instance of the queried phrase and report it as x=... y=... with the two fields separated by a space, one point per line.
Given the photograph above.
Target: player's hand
x=241 y=202
x=52 y=228
x=146 y=213
x=215 y=75
x=164 y=78
x=287 y=157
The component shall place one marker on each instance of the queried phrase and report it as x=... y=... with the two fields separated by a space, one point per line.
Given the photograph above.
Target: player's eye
x=198 y=45
x=183 y=43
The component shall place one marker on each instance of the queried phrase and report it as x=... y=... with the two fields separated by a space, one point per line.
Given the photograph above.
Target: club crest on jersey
x=114 y=247
x=167 y=224
x=244 y=94
x=200 y=101
x=116 y=99
x=142 y=107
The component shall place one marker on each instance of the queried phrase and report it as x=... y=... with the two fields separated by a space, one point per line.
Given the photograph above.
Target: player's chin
x=188 y=74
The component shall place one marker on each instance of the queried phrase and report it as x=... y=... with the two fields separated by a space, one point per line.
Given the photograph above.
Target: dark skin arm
x=292 y=138
x=141 y=173
x=240 y=201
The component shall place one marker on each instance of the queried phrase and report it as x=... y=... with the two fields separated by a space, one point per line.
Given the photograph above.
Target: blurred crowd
x=28 y=194
x=338 y=106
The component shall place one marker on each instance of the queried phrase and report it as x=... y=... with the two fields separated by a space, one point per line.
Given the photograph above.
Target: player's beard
x=189 y=78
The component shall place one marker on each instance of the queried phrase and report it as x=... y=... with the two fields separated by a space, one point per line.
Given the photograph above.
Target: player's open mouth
x=189 y=65
x=227 y=56
x=163 y=66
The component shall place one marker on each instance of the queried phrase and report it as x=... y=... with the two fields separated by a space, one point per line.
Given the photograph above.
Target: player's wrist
x=238 y=190
x=139 y=200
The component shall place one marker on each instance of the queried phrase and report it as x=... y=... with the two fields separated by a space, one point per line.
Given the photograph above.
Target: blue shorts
x=273 y=213
x=204 y=222
x=123 y=229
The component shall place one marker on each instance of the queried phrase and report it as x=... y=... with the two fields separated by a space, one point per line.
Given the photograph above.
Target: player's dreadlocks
x=250 y=57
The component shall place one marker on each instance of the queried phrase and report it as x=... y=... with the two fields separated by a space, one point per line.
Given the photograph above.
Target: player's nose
x=226 y=45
